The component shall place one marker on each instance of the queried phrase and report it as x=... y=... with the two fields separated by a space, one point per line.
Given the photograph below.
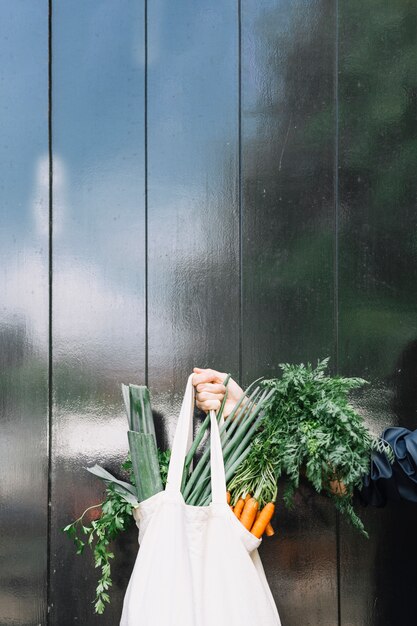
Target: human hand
x=210 y=390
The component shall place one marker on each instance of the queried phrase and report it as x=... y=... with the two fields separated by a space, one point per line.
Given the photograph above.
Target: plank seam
x=50 y=361
x=146 y=187
x=336 y=273
x=239 y=186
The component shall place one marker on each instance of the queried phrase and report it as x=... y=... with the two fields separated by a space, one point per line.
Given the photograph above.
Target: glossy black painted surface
x=288 y=169
x=98 y=275
x=23 y=312
x=193 y=216
x=377 y=281
x=233 y=186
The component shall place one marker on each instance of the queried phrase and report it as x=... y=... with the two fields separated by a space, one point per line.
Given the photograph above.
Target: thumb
x=197 y=369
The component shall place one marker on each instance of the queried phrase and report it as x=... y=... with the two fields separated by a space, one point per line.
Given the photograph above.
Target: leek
x=142 y=441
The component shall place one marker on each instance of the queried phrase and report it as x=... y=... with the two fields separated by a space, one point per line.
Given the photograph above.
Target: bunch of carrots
x=253 y=519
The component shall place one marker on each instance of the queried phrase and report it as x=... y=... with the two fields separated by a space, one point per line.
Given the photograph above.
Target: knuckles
x=211 y=387
x=207 y=395
x=206 y=405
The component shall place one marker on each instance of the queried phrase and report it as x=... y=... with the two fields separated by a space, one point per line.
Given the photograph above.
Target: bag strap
x=218 y=478
x=182 y=443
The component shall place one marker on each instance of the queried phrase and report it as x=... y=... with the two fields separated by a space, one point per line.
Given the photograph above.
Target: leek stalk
x=142 y=441
x=231 y=451
x=145 y=464
x=202 y=466
x=200 y=435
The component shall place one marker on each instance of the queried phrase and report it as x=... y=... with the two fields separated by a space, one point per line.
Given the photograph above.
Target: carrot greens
x=309 y=428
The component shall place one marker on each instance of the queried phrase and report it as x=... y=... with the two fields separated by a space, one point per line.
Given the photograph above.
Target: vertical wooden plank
x=193 y=221
x=288 y=165
x=98 y=275
x=23 y=312
x=378 y=278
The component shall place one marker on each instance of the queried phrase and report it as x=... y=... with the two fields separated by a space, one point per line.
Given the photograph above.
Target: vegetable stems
x=234 y=452
x=199 y=437
x=202 y=468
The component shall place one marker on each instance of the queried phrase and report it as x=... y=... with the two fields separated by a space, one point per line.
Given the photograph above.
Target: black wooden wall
x=210 y=183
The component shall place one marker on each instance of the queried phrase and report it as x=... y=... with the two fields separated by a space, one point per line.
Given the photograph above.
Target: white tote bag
x=196 y=565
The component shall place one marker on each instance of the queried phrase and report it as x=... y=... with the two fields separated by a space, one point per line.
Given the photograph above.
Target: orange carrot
x=248 y=497
x=257 y=515
x=239 y=507
x=228 y=497
x=263 y=520
x=249 y=513
x=269 y=531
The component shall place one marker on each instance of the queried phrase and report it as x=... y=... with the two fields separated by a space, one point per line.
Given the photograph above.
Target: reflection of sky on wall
x=98 y=225
x=98 y=169
x=98 y=141
x=98 y=82
x=265 y=34
x=192 y=141
x=98 y=121
x=193 y=106
x=23 y=145
x=23 y=111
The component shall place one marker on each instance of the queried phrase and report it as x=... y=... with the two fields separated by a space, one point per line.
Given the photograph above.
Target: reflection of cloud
x=25 y=296
x=91 y=314
x=98 y=290
x=40 y=196
x=97 y=438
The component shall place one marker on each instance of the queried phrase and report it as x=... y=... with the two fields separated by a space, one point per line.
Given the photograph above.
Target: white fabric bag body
x=196 y=565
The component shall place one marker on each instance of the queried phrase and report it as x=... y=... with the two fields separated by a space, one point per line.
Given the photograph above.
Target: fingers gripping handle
x=182 y=442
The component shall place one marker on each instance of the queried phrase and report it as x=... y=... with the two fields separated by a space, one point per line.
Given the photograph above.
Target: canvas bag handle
x=181 y=444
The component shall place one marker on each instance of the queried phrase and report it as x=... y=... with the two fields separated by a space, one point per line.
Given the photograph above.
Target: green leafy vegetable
x=309 y=428
x=115 y=517
x=164 y=458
